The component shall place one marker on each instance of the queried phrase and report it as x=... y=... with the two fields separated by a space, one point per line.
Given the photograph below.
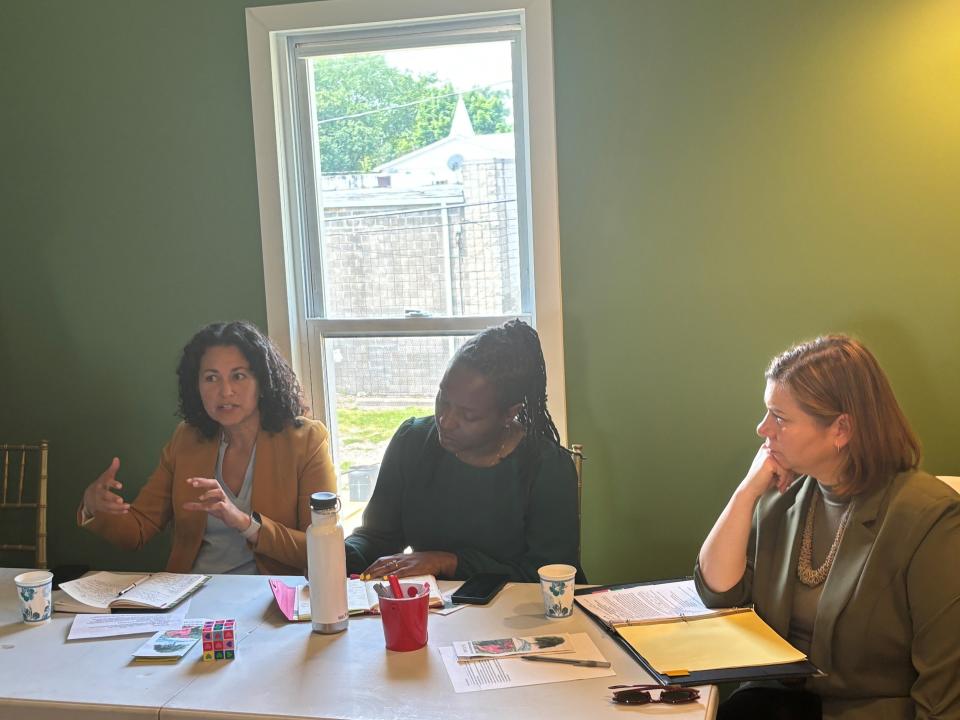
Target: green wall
x=733 y=177
x=128 y=213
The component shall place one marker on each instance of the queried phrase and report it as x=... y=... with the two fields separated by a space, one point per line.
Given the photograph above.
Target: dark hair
x=281 y=400
x=510 y=356
x=834 y=375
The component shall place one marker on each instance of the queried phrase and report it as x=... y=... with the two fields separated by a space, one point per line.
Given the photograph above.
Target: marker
x=567 y=661
x=395 y=586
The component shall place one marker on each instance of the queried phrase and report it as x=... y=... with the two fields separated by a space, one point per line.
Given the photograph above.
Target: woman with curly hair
x=237 y=475
x=482 y=485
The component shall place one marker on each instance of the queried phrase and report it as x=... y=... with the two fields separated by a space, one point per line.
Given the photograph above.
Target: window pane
x=418 y=186
x=378 y=383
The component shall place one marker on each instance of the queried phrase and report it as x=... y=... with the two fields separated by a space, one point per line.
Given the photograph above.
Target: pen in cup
x=567 y=661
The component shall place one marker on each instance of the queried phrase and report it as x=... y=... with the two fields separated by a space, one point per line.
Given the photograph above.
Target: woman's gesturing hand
x=99 y=497
x=214 y=500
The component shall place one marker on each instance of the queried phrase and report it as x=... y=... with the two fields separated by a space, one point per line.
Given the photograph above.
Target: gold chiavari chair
x=19 y=465
x=576 y=451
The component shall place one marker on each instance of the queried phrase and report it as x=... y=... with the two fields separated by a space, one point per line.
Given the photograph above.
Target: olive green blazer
x=288 y=468
x=887 y=632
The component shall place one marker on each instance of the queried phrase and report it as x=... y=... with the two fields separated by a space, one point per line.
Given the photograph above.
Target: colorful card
x=507 y=647
x=170 y=645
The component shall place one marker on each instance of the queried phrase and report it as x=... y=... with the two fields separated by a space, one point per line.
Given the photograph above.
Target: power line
x=432 y=98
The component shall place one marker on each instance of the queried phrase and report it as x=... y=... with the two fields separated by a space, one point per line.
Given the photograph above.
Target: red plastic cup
x=405 y=619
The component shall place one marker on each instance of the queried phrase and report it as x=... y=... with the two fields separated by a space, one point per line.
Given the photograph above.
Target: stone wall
x=396 y=260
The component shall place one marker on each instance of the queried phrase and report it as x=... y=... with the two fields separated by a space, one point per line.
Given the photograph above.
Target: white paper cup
x=556 y=584
x=34 y=590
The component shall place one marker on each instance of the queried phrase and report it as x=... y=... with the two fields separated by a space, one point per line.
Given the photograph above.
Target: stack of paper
x=86 y=625
x=669 y=630
x=491 y=673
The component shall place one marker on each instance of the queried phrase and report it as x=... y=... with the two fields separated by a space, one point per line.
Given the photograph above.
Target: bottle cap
x=324 y=501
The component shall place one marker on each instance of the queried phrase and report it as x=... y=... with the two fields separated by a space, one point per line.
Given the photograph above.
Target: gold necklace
x=496 y=458
x=805 y=572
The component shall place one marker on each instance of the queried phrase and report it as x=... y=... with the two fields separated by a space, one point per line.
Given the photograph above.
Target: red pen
x=395 y=586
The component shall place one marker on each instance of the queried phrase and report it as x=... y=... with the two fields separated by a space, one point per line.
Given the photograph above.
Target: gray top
x=806 y=599
x=224 y=550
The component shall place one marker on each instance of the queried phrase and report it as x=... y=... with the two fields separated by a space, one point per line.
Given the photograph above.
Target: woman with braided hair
x=484 y=484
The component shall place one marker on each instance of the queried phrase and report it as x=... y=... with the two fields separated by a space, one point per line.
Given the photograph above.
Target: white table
x=283 y=670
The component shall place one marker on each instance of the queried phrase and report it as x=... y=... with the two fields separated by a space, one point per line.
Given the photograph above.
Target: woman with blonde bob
x=843 y=546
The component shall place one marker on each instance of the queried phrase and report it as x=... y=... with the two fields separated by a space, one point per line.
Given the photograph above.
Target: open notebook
x=294 y=602
x=104 y=591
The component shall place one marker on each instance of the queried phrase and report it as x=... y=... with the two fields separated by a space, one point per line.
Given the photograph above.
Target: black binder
x=698 y=677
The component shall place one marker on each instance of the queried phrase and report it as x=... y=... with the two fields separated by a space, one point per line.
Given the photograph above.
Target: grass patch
x=371 y=426
x=364 y=432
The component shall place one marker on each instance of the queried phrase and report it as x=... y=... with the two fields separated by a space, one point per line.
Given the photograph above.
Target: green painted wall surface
x=128 y=200
x=733 y=177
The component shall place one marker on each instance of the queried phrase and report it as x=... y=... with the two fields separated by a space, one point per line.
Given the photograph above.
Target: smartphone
x=480 y=589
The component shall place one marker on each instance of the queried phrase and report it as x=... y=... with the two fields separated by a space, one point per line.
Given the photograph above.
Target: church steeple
x=461 y=125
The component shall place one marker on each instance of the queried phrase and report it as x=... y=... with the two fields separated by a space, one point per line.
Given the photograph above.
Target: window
x=407 y=178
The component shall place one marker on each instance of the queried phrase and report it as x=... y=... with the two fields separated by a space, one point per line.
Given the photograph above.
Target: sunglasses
x=640 y=694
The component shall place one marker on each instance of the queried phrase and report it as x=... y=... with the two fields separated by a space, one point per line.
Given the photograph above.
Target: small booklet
x=170 y=645
x=362 y=599
x=511 y=646
x=652 y=603
x=104 y=591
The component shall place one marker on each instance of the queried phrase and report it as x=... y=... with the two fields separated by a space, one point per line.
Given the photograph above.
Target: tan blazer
x=887 y=631
x=289 y=467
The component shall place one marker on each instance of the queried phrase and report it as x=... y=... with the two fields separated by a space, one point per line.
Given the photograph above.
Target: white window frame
x=277 y=169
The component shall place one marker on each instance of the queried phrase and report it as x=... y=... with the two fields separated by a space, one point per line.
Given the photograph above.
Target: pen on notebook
x=567 y=661
x=132 y=585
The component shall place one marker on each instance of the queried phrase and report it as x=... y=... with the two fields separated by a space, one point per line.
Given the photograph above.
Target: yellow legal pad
x=739 y=639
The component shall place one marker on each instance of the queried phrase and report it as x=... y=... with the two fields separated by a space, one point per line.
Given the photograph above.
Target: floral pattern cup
x=34 y=590
x=556 y=584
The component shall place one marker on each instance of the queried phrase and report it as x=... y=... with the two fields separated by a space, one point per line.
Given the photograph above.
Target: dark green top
x=511 y=518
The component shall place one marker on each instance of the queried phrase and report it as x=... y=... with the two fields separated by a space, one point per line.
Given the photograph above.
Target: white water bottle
x=326 y=565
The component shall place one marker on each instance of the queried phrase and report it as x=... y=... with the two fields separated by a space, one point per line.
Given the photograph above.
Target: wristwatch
x=254 y=527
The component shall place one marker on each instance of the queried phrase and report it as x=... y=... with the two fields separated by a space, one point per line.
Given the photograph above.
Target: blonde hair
x=834 y=375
